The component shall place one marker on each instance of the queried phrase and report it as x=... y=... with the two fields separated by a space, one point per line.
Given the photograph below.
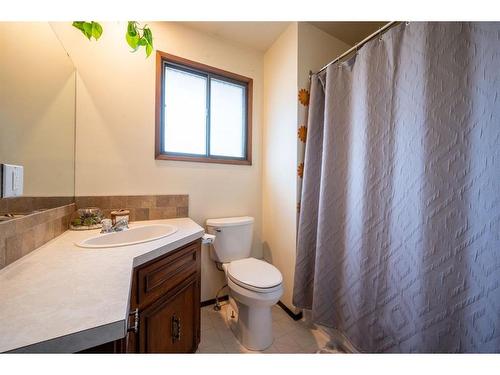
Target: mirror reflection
x=37 y=108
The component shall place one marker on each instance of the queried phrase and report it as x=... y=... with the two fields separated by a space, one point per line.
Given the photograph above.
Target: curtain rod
x=358 y=45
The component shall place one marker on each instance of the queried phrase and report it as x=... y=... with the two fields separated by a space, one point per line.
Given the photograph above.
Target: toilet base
x=252 y=325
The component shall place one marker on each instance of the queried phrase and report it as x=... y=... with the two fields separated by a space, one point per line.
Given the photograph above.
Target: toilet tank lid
x=230 y=221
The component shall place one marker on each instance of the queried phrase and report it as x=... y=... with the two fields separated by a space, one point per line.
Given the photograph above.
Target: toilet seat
x=255 y=275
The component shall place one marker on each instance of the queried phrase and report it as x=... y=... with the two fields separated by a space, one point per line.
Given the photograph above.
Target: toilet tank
x=233 y=238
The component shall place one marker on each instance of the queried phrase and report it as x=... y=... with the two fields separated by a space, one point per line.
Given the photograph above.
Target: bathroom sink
x=130 y=236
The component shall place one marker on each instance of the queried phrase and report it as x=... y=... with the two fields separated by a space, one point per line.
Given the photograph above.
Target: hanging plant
x=89 y=29
x=135 y=36
x=135 y=39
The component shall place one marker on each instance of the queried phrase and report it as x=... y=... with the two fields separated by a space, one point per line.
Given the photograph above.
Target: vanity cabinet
x=165 y=304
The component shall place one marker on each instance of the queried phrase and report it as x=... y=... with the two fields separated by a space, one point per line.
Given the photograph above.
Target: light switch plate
x=12 y=180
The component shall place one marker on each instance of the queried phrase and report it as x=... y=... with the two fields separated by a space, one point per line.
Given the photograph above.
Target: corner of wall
x=279 y=156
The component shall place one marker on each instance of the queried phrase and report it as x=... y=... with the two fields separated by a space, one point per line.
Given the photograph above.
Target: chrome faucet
x=119 y=226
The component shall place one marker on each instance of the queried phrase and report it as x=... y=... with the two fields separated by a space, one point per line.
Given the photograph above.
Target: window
x=202 y=113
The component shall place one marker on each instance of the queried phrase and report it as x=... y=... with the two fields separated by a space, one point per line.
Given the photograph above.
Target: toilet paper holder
x=208 y=239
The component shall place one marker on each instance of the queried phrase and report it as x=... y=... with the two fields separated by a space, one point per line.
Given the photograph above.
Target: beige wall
x=302 y=47
x=315 y=49
x=115 y=127
x=37 y=107
x=115 y=131
x=279 y=156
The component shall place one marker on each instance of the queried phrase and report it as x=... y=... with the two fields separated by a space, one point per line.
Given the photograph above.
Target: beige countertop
x=64 y=298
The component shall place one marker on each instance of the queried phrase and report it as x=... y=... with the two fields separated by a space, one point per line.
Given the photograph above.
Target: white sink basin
x=130 y=236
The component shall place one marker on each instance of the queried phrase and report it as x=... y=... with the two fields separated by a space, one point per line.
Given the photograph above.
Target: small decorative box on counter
x=119 y=215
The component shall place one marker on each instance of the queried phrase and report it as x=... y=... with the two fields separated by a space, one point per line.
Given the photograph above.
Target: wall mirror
x=37 y=114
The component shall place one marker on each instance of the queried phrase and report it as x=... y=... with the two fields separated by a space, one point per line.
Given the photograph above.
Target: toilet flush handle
x=218 y=230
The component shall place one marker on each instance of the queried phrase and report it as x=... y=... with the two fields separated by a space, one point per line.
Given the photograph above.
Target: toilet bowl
x=254 y=285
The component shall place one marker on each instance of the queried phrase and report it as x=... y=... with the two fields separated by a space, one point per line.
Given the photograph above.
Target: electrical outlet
x=12 y=180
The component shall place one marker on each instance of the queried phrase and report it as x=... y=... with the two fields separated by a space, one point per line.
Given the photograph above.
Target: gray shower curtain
x=399 y=228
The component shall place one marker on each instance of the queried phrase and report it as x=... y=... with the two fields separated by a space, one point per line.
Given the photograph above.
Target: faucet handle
x=106 y=225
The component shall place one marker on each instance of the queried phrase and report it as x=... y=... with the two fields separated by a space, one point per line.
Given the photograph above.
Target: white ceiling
x=257 y=35
x=261 y=35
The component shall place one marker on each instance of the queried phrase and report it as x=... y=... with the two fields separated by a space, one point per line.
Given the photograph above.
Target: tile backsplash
x=142 y=207
x=19 y=237
x=29 y=204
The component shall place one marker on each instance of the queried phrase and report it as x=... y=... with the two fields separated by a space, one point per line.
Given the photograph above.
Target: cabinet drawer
x=157 y=278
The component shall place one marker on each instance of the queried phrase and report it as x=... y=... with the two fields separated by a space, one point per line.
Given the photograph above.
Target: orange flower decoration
x=302 y=133
x=304 y=97
x=300 y=170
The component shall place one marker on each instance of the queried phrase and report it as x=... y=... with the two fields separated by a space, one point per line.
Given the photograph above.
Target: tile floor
x=289 y=336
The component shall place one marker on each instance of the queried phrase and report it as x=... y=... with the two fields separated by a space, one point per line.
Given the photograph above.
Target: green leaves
x=135 y=36
x=89 y=29
x=96 y=30
x=149 y=49
x=135 y=40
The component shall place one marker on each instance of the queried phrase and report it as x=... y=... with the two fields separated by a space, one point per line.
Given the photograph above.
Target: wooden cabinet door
x=171 y=324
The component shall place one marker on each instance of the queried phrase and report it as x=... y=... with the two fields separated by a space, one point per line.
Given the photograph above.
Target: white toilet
x=254 y=285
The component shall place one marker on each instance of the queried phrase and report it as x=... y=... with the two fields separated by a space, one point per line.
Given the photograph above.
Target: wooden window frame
x=161 y=59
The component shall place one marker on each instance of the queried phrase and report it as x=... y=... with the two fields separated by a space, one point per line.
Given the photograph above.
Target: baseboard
x=290 y=312
x=280 y=304
x=212 y=301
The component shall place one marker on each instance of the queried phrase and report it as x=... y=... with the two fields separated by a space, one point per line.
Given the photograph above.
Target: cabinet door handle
x=135 y=327
x=176 y=329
